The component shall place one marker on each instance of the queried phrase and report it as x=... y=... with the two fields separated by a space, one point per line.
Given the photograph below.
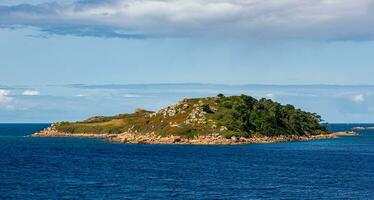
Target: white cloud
x=285 y=19
x=30 y=93
x=359 y=98
x=5 y=100
x=131 y=96
x=82 y=95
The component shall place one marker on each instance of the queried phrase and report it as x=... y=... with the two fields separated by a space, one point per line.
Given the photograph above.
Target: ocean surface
x=73 y=168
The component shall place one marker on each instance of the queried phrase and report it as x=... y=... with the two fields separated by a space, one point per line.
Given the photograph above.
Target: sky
x=316 y=54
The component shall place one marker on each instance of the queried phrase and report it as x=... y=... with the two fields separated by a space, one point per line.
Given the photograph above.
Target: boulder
x=234 y=139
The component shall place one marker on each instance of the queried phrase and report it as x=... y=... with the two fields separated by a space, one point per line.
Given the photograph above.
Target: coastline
x=212 y=139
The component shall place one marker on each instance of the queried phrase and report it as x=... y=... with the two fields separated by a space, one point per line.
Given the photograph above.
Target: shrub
x=207 y=109
x=228 y=134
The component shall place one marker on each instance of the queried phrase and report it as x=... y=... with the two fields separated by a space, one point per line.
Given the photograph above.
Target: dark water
x=66 y=168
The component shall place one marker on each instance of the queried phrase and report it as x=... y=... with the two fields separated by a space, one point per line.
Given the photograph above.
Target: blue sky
x=47 y=45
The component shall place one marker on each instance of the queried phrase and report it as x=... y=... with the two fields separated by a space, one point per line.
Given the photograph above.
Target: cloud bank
x=5 y=100
x=267 y=19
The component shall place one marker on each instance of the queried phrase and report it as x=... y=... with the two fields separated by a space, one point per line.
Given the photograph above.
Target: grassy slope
x=228 y=116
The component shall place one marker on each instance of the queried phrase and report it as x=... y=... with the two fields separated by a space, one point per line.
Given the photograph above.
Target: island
x=211 y=120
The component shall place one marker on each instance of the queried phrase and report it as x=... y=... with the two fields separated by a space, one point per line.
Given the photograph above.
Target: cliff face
x=223 y=117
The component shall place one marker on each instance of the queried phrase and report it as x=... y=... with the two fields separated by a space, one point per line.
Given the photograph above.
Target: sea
x=74 y=168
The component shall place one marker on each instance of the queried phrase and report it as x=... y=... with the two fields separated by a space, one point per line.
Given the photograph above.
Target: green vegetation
x=240 y=116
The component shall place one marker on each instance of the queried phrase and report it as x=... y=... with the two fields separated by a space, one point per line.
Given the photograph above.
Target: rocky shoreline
x=212 y=139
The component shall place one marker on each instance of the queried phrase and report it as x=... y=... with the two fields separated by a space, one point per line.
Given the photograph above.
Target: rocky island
x=211 y=120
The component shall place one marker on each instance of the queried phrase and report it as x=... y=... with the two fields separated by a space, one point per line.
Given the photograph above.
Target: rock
x=215 y=134
x=142 y=141
x=174 y=125
x=234 y=139
x=123 y=140
x=223 y=128
x=185 y=106
x=152 y=114
x=176 y=140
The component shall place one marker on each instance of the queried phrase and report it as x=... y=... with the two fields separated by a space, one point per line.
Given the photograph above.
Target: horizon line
x=202 y=83
x=23 y=86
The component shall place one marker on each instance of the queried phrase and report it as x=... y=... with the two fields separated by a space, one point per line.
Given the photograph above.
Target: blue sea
x=73 y=168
